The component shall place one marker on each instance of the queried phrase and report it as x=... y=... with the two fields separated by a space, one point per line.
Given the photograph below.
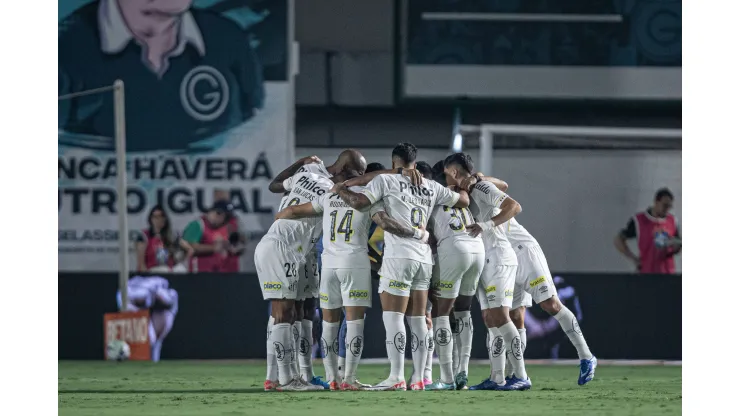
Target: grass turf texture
x=186 y=388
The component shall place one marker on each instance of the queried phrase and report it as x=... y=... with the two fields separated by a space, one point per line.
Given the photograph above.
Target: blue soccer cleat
x=317 y=381
x=488 y=384
x=588 y=370
x=517 y=383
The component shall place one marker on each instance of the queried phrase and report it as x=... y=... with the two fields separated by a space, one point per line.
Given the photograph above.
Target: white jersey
x=518 y=235
x=300 y=235
x=345 y=231
x=411 y=206
x=485 y=203
x=150 y=283
x=316 y=168
x=448 y=226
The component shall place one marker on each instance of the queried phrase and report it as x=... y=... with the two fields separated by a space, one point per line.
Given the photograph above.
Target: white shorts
x=457 y=274
x=308 y=277
x=533 y=279
x=277 y=270
x=400 y=276
x=496 y=285
x=345 y=287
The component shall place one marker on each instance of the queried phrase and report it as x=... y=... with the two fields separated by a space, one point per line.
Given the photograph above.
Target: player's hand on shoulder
x=414 y=175
x=468 y=183
x=474 y=230
x=338 y=187
x=311 y=159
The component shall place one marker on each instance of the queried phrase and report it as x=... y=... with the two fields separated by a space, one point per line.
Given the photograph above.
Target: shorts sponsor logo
x=508 y=293
x=272 y=286
x=359 y=294
x=498 y=346
x=355 y=346
x=304 y=346
x=490 y=289
x=279 y=351
x=516 y=348
x=538 y=281
x=398 y=285
x=324 y=297
x=399 y=341
x=442 y=336
x=445 y=285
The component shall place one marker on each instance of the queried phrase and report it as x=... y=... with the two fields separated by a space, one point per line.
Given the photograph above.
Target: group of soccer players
x=449 y=235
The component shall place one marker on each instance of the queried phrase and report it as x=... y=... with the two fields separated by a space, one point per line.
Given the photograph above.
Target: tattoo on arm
x=355 y=200
x=392 y=226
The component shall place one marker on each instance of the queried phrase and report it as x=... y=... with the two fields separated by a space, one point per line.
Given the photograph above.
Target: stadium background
x=387 y=79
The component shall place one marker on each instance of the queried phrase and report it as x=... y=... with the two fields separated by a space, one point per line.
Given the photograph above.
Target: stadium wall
x=223 y=316
x=574 y=201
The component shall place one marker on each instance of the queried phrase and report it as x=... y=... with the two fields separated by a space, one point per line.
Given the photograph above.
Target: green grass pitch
x=186 y=388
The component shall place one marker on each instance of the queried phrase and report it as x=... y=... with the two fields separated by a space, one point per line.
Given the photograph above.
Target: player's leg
x=544 y=293
x=394 y=289
x=464 y=322
x=446 y=290
x=356 y=286
x=522 y=299
x=163 y=318
x=416 y=317
x=330 y=296
x=342 y=347
x=271 y=379
x=430 y=345
x=311 y=293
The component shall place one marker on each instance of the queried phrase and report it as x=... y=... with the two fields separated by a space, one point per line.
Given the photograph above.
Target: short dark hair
x=406 y=152
x=373 y=167
x=425 y=169
x=462 y=160
x=438 y=170
x=663 y=192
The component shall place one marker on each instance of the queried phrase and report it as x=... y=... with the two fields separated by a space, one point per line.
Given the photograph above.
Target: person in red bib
x=657 y=234
x=211 y=236
x=158 y=250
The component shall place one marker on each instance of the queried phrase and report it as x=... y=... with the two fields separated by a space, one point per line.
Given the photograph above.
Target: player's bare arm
x=389 y=225
x=464 y=200
x=509 y=209
x=297 y=211
x=276 y=186
x=414 y=175
x=355 y=200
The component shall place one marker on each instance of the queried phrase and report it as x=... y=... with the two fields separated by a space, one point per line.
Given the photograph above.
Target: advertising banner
x=131 y=327
x=208 y=104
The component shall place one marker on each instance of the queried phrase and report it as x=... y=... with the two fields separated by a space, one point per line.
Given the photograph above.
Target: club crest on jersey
x=311 y=186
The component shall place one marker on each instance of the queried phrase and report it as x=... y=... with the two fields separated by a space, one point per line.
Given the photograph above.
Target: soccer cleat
x=417 y=386
x=270 y=385
x=297 y=384
x=439 y=385
x=488 y=384
x=389 y=385
x=461 y=381
x=427 y=382
x=517 y=383
x=588 y=371
x=354 y=386
x=363 y=385
x=334 y=386
x=317 y=381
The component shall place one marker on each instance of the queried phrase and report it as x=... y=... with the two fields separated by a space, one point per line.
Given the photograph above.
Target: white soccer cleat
x=354 y=386
x=310 y=386
x=296 y=385
x=389 y=384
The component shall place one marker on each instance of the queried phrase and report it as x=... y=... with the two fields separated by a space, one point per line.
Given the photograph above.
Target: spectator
x=212 y=237
x=236 y=238
x=158 y=250
x=657 y=234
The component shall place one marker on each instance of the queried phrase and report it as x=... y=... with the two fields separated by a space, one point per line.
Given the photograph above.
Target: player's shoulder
x=485 y=187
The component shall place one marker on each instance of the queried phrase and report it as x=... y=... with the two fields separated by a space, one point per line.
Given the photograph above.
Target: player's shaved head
x=351 y=163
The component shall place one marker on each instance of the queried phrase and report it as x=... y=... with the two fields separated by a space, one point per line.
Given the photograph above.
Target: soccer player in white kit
x=457 y=269
x=345 y=277
x=278 y=257
x=154 y=293
x=534 y=281
x=349 y=163
x=407 y=263
x=491 y=208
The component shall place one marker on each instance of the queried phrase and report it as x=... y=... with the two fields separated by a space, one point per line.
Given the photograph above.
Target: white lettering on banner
x=134 y=330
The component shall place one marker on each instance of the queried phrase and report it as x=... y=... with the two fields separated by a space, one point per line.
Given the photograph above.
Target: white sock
x=355 y=343
x=342 y=367
x=283 y=349
x=466 y=339
x=430 y=354
x=296 y=328
x=271 y=361
x=328 y=338
x=513 y=342
x=569 y=323
x=418 y=327
x=444 y=341
x=395 y=342
x=306 y=350
x=497 y=355
x=509 y=367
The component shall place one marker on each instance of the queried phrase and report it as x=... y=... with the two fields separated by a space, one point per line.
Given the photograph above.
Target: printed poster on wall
x=208 y=113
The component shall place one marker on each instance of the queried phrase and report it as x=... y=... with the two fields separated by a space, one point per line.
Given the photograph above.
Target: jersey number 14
x=345 y=225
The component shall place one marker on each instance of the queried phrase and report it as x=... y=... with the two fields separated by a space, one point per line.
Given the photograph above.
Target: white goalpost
x=119 y=118
x=488 y=131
